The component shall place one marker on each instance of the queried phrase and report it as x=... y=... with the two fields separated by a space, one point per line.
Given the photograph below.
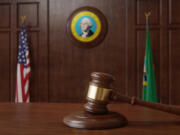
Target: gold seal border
x=73 y=23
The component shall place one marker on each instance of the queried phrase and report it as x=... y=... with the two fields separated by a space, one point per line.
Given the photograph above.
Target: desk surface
x=46 y=119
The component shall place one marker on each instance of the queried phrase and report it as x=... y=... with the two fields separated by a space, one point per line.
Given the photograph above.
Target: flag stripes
x=23 y=69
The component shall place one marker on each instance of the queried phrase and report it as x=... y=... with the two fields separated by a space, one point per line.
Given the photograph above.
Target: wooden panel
x=145 y=6
x=60 y=70
x=36 y=25
x=43 y=52
x=136 y=45
x=5 y=66
x=70 y=66
x=5 y=43
x=5 y=15
x=31 y=10
x=36 y=22
x=131 y=59
x=164 y=67
x=174 y=9
x=155 y=45
x=174 y=73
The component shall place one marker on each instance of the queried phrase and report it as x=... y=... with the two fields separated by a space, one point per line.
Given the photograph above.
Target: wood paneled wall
x=60 y=70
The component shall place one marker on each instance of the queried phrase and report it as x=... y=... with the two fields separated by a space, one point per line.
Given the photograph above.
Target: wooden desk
x=46 y=119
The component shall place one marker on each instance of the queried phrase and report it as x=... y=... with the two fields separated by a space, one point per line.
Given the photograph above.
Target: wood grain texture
x=36 y=22
x=85 y=120
x=46 y=119
x=61 y=70
x=72 y=69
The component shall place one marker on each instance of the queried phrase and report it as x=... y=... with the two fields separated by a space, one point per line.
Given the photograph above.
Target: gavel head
x=100 y=89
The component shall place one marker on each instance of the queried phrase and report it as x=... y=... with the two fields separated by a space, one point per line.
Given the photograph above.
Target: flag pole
x=149 y=81
x=147 y=14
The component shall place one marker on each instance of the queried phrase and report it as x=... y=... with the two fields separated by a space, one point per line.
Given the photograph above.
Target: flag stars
x=22 y=61
x=23 y=47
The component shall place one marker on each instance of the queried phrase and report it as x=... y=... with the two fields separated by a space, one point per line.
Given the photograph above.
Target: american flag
x=23 y=69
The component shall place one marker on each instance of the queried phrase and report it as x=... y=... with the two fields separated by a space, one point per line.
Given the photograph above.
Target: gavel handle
x=158 y=106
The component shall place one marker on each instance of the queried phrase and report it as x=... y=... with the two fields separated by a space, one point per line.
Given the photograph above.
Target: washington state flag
x=149 y=82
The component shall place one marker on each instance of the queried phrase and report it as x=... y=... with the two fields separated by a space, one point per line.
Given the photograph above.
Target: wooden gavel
x=96 y=115
x=100 y=91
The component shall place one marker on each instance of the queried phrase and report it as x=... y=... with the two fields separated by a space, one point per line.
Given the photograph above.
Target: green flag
x=149 y=82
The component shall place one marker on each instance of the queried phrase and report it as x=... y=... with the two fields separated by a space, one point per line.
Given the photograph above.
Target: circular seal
x=86 y=27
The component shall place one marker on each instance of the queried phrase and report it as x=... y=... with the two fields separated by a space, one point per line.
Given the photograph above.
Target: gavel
x=96 y=115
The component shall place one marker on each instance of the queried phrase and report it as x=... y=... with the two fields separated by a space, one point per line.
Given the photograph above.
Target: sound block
x=86 y=120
